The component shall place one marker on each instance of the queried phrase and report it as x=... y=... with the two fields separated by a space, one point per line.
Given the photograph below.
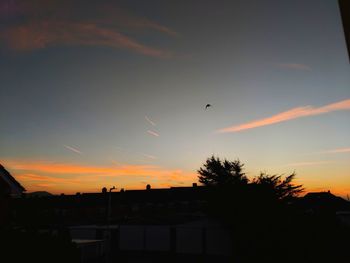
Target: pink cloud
x=56 y=23
x=44 y=34
x=309 y=163
x=153 y=133
x=338 y=150
x=289 y=115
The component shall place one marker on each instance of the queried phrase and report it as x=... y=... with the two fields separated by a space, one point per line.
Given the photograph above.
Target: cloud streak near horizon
x=291 y=114
x=312 y=163
x=63 y=168
x=338 y=150
x=67 y=175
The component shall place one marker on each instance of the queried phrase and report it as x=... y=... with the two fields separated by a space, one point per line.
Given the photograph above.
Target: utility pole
x=109 y=205
x=109 y=234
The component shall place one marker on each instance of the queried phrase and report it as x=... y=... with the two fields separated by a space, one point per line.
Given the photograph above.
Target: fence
x=196 y=240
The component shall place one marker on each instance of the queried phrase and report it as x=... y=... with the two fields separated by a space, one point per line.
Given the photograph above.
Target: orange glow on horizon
x=71 y=178
x=59 y=177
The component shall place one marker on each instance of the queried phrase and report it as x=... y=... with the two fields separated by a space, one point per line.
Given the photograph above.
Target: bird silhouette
x=207 y=106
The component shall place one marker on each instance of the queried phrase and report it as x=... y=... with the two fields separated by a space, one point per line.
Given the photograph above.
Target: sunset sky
x=103 y=93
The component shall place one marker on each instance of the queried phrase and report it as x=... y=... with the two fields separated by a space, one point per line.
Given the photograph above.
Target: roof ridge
x=11 y=178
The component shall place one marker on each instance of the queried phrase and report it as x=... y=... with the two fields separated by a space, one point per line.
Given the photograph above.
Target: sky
x=113 y=93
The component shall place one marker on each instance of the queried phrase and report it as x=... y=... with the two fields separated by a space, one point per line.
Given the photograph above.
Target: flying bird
x=207 y=106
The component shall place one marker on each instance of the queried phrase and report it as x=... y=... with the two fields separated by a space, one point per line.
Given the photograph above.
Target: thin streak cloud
x=149 y=156
x=339 y=150
x=309 y=163
x=289 y=115
x=72 y=149
x=150 y=121
x=153 y=133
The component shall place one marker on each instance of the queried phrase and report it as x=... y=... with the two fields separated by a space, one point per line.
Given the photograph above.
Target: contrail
x=150 y=121
x=149 y=156
x=72 y=149
x=153 y=133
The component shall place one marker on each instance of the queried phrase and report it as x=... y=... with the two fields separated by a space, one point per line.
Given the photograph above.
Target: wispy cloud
x=114 y=162
x=149 y=156
x=150 y=121
x=294 y=66
x=62 y=168
x=72 y=149
x=62 y=23
x=40 y=178
x=37 y=35
x=55 y=184
x=116 y=15
x=153 y=133
x=311 y=163
x=45 y=185
x=289 y=115
x=338 y=150
x=35 y=167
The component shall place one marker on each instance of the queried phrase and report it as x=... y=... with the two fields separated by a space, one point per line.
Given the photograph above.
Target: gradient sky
x=113 y=92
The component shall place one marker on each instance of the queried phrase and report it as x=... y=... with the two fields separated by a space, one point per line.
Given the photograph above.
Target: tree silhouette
x=266 y=219
x=281 y=189
x=222 y=173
